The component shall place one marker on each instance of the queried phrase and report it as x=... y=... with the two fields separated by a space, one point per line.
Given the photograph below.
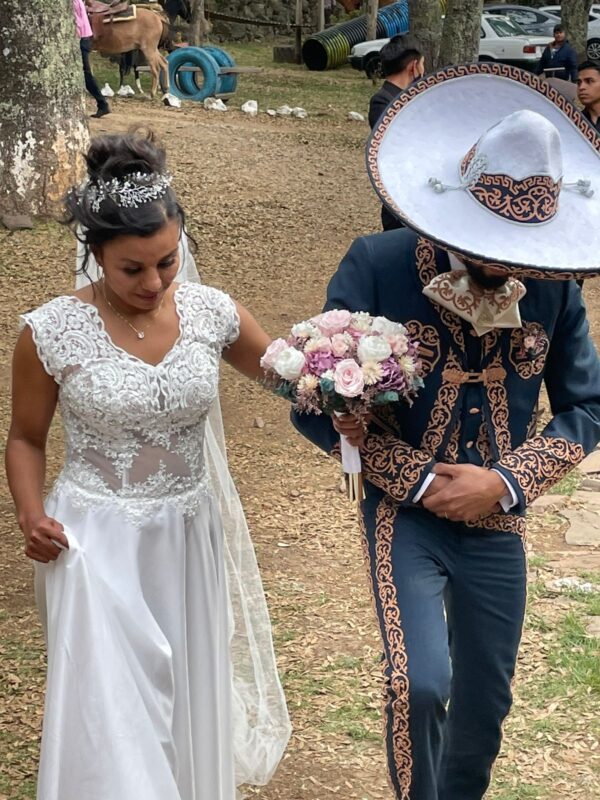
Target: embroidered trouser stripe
x=420 y=567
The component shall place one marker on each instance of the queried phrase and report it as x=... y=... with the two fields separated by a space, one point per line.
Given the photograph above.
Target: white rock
x=584 y=527
x=250 y=107
x=214 y=104
x=572 y=583
x=106 y=91
x=355 y=116
x=271 y=112
x=171 y=101
x=284 y=111
x=300 y=113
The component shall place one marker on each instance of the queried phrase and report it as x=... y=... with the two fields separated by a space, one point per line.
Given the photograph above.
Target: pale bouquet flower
x=343 y=362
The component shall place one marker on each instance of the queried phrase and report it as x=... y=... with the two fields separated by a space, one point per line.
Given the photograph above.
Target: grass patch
x=537 y=561
x=358 y=720
x=330 y=93
x=577 y=656
x=568 y=485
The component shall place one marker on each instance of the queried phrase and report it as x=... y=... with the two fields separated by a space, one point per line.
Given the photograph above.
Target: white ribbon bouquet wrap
x=343 y=362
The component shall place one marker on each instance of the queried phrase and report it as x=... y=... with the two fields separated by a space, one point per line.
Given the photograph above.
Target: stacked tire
x=207 y=82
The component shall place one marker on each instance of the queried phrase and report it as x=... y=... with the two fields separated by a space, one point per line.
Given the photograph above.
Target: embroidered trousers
x=450 y=602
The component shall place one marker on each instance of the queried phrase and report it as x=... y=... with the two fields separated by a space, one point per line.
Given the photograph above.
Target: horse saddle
x=108 y=11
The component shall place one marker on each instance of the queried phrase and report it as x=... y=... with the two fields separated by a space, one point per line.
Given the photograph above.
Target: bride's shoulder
x=199 y=294
x=59 y=305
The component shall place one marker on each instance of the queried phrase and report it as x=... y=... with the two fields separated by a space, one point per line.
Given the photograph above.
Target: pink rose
x=348 y=378
x=529 y=342
x=339 y=345
x=275 y=349
x=398 y=343
x=333 y=321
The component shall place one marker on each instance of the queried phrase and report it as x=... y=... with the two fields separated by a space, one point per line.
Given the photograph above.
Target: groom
x=448 y=480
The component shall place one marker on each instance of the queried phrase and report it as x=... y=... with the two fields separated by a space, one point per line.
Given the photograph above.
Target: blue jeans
x=450 y=602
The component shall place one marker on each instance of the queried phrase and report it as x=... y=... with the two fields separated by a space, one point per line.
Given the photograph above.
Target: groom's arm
x=388 y=463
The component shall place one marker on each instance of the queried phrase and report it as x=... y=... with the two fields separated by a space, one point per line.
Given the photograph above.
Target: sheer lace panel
x=134 y=432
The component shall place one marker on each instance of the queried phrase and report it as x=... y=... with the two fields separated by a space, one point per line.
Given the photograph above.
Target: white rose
x=305 y=330
x=373 y=348
x=386 y=327
x=289 y=364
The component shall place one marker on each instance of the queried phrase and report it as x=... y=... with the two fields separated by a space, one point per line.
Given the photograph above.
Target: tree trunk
x=198 y=23
x=43 y=129
x=372 y=10
x=575 y=18
x=426 y=28
x=460 y=36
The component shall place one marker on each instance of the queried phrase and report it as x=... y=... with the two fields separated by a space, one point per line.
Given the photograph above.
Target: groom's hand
x=472 y=492
x=352 y=428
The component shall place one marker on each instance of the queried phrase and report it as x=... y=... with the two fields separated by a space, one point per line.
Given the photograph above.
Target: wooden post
x=320 y=15
x=372 y=9
x=298 y=31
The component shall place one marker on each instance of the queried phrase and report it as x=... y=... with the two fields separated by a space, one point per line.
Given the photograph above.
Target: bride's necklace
x=140 y=334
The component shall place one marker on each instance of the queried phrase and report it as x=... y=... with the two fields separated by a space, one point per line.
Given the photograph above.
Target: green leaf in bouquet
x=327 y=385
x=286 y=390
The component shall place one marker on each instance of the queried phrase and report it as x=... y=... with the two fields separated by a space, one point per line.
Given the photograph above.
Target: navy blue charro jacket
x=479 y=404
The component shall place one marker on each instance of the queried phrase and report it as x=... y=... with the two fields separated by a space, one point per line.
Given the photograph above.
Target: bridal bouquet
x=342 y=362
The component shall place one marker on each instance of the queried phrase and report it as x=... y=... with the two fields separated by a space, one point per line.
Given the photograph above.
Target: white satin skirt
x=138 y=701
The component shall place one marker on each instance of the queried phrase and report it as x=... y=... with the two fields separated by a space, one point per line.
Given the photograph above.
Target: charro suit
x=451 y=589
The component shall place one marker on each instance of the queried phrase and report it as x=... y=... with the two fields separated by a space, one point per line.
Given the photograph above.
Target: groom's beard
x=484 y=281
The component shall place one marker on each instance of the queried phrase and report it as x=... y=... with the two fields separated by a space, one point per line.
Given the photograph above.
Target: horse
x=145 y=32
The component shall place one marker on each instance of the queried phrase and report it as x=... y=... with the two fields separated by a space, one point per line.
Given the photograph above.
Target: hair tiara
x=130 y=191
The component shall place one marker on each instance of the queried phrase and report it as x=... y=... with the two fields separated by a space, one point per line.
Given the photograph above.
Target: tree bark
x=575 y=18
x=460 y=35
x=426 y=28
x=198 y=24
x=43 y=129
x=372 y=9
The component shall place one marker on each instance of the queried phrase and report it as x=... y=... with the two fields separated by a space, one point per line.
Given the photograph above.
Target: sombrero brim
x=428 y=130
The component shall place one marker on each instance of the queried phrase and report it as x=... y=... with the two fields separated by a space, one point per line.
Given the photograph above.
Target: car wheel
x=593 y=49
x=373 y=67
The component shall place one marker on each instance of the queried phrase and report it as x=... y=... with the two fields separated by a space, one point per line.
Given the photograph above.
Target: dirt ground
x=273 y=204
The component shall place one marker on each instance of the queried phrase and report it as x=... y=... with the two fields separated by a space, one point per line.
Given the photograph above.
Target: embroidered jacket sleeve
x=573 y=383
x=387 y=462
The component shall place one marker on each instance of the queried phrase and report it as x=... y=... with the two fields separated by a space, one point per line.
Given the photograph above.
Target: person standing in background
x=84 y=31
x=402 y=63
x=559 y=59
x=588 y=91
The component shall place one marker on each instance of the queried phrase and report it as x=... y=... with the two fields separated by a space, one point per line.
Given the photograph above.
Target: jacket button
x=474 y=410
x=470 y=445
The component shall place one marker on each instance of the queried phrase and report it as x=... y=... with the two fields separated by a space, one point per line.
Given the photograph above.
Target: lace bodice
x=134 y=432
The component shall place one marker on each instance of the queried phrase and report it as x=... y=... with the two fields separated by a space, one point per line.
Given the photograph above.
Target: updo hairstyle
x=117 y=156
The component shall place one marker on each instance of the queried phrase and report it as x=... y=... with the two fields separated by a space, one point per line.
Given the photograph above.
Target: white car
x=593 y=31
x=501 y=40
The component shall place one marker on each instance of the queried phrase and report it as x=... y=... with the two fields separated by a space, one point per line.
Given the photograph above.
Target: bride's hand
x=352 y=428
x=44 y=539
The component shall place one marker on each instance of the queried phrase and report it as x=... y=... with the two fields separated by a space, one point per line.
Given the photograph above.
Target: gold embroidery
x=540 y=462
x=451 y=456
x=441 y=413
x=486 y=376
x=529 y=347
x=426 y=266
x=396 y=649
x=392 y=465
x=498 y=400
x=489 y=341
x=429 y=347
x=504 y=523
x=483 y=446
x=467 y=299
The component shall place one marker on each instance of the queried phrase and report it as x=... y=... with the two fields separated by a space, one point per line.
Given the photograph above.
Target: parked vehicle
x=594 y=11
x=501 y=39
x=537 y=21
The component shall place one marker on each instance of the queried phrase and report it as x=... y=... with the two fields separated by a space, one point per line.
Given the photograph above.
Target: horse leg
x=138 y=83
x=164 y=74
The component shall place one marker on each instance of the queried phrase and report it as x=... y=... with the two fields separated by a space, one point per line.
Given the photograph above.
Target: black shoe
x=102 y=112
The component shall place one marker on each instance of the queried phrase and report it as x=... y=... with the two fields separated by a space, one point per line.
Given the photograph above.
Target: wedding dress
x=161 y=676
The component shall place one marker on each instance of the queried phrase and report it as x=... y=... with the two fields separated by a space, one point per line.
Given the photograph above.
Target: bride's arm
x=34 y=397
x=245 y=353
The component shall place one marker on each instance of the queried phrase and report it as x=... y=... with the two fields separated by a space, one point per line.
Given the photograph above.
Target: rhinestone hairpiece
x=129 y=192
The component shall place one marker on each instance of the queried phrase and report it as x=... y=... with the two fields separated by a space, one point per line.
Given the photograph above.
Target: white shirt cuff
x=509 y=500
x=424 y=486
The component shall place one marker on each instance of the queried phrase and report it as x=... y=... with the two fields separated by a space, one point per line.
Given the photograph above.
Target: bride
x=162 y=681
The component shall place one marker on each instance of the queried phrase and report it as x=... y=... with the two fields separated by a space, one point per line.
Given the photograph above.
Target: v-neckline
x=95 y=313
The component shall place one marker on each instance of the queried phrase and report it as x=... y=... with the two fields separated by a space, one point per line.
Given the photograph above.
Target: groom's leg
x=408 y=552
x=486 y=604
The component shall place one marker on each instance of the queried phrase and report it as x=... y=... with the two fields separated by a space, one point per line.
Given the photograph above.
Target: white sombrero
x=492 y=163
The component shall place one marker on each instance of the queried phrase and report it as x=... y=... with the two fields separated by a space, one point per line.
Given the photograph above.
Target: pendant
x=140 y=334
